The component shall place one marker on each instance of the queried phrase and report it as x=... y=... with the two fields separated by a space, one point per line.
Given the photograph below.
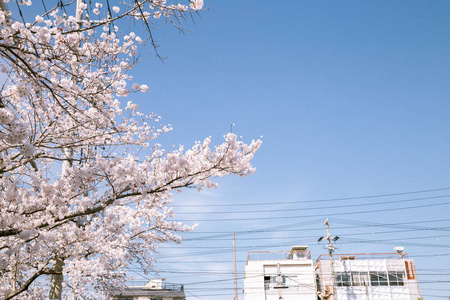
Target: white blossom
x=196 y=4
x=7 y=115
x=18 y=132
x=28 y=149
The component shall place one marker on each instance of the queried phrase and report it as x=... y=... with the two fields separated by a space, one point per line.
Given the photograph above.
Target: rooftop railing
x=172 y=286
x=163 y=286
x=278 y=255
x=143 y=285
x=359 y=256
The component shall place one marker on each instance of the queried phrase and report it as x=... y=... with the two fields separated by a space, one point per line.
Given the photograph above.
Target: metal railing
x=278 y=255
x=143 y=284
x=172 y=286
x=358 y=256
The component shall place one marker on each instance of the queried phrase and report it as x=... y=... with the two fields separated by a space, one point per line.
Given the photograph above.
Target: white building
x=379 y=276
x=286 y=275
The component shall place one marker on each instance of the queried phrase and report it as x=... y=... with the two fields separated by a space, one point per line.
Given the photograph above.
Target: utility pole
x=235 y=276
x=279 y=282
x=330 y=238
x=280 y=286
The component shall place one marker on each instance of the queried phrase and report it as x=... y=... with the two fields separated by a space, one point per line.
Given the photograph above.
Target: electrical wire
x=316 y=215
x=313 y=208
x=315 y=201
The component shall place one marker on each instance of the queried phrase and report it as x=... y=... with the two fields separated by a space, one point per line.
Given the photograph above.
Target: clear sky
x=352 y=100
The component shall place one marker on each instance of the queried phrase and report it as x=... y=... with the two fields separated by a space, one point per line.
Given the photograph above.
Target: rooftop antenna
x=330 y=238
x=400 y=252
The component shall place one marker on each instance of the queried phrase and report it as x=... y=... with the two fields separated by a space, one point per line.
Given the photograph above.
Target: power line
x=317 y=215
x=293 y=226
x=312 y=208
x=315 y=229
x=314 y=201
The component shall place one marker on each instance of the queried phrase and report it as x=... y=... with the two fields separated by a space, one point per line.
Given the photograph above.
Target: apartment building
x=278 y=275
x=368 y=276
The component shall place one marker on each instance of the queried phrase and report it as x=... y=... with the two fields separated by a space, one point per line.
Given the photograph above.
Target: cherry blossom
x=196 y=4
x=70 y=175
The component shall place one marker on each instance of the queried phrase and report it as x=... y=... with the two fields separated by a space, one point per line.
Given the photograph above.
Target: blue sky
x=351 y=98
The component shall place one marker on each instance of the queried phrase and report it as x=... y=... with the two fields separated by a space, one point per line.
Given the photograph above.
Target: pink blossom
x=196 y=4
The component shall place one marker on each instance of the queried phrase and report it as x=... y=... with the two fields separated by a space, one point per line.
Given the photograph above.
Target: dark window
x=378 y=279
x=343 y=279
x=271 y=281
x=396 y=278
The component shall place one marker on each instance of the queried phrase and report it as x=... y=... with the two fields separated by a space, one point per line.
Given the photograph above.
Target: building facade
x=382 y=276
x=155 y=289
x=286 y=275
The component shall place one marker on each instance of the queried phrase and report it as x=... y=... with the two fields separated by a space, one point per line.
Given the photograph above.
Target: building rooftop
x=296 y=253
x=358 y=256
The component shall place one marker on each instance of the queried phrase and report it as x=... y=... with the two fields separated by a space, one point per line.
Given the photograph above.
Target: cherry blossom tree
x=76 y=197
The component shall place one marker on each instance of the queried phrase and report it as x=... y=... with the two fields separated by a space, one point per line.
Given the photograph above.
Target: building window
x=271 y=281
x=378 y=279
x=360 y=279
x=352 y=279
x=375 y=278
x=343 y=279
x=396 y=278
